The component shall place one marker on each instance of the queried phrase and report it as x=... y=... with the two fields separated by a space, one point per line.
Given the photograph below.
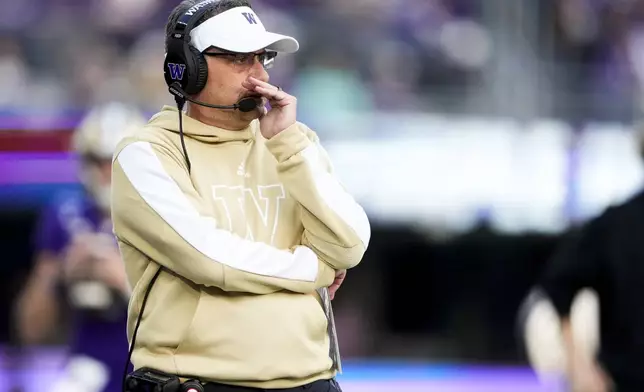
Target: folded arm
x=156 y=209
x=336 y=227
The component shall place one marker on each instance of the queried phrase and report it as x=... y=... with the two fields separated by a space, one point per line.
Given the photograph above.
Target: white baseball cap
x=239 y=30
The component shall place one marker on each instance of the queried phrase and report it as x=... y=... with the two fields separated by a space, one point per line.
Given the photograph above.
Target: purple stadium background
x=34 y=371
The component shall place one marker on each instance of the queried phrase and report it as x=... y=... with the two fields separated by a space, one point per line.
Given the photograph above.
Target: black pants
x=317 y=386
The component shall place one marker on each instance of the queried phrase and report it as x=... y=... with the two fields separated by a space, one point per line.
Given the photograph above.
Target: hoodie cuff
x=287 y=143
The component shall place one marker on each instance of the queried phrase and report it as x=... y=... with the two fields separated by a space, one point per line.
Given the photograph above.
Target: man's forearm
x=157 y=213
x=335 y=225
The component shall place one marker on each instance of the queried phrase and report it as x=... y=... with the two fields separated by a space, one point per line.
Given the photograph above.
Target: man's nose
x=259 y=72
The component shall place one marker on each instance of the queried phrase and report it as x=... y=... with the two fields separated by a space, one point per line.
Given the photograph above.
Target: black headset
x=186 y=70
x=184 y=64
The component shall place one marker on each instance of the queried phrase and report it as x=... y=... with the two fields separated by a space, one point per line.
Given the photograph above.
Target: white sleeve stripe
x=145 y=172
x=336 y=198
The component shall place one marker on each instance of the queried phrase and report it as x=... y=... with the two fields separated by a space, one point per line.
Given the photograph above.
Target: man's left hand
x=283 y=111
x=339 y=278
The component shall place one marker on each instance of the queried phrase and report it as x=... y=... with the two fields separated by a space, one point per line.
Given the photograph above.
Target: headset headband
x=187 y=21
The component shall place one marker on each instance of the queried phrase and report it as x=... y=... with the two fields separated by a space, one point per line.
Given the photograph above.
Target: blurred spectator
x=329 y=89
x=605 y=257
x=78 y=265
x=15 y=74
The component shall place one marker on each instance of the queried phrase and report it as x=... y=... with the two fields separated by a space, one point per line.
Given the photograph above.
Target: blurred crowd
x=584 y=57
x=599 y=48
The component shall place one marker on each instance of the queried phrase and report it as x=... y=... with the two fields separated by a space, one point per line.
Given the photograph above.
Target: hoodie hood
x=168 y=118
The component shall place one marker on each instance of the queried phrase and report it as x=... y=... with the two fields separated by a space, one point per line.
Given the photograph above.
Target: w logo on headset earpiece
x=176 y=71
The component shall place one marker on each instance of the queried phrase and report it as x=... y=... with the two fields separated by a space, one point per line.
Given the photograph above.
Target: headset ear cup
x=200 y=76
x=175 y=70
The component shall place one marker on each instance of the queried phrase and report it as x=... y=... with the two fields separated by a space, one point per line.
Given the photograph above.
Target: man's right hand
x=283 y=111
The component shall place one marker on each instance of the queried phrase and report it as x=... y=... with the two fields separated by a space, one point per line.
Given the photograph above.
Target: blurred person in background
x=78 y=265
x=233 y=211
x=604 y=258
x=541 y=336
x=147 y=89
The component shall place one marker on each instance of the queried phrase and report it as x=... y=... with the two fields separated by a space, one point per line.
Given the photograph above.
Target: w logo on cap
x=250 y=17
x=176 y=71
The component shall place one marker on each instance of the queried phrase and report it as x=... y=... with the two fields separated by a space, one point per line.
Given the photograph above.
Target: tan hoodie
x=249 y=240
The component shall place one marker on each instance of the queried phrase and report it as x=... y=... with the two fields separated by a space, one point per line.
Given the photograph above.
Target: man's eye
x=240 y=59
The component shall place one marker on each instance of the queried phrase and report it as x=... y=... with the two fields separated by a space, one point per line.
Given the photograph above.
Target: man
x=605 y=260
x=78 y=263
x=231 y=219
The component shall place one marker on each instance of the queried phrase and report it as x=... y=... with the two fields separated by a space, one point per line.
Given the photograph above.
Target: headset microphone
x=245 y=105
